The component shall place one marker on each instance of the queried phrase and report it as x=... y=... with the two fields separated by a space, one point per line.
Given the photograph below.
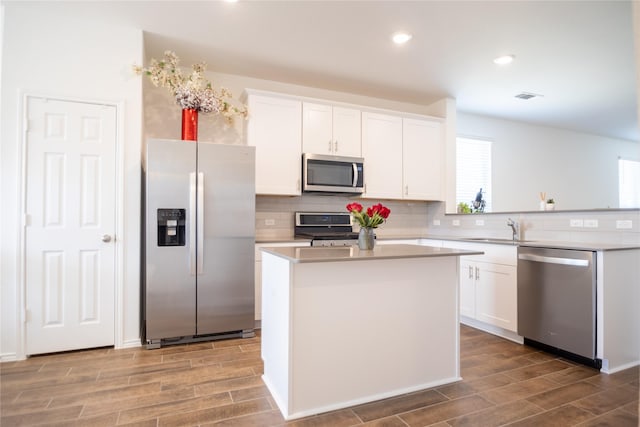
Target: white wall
x=48 y=54
x=580 y=171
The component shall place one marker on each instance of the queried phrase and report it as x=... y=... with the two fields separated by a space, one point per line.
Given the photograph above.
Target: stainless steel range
x=326 y=228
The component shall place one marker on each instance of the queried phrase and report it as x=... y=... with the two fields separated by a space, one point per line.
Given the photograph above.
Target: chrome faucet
x=514 y=227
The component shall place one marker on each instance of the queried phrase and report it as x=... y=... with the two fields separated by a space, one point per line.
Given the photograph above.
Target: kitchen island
x=341 y=327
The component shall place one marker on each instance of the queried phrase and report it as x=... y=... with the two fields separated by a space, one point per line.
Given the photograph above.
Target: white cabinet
x=382 y=152
x=330 y=129
x=422 y=160
x=488 y=285
x=274 y=127
x=258 y=270
x=403 y=157
x=488 y=293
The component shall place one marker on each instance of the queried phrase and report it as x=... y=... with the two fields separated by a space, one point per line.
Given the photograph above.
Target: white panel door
x=70 y=217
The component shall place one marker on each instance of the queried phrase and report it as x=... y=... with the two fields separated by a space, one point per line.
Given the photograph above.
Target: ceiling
x=578 y=54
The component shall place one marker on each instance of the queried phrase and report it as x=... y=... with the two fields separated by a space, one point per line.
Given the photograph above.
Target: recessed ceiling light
x=504 y=60
x=401 y=38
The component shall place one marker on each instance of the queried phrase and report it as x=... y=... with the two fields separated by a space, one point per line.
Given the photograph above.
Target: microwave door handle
x=355 y=174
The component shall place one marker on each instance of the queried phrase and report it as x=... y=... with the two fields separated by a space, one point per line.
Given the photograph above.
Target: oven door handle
x=554 y=260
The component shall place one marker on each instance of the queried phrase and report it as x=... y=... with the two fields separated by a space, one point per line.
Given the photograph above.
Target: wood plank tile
x=202 y=354
x=564 y=394
x=388 y=422
x=567 y=415
x=174 y=407
x=465 y=388
x=218 y=413
x=250 y=393
x=537 y=370
x=12 y=408
x=617 y=418
x=41 y=417
x=106 y=420
x=519 y=390
x=157 y=368
x=228 y=385
x=628 y=376
x=445 y=411
x=340 y=418
x=397 y=405
x=608 y=400
x=573 y=374
x=167 y=396
x=498 y=415
x=107 y=396
x=71 y=388
x=271 y=418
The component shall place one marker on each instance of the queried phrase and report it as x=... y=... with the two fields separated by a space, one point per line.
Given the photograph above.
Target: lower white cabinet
x=258 y=270
x=488 y=293
x=489 y=285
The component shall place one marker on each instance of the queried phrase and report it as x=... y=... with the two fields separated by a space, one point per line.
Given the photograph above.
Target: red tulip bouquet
x=372 y=218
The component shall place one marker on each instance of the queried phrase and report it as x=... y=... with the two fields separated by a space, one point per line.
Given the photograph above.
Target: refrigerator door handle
x=192 y=223
x=200 y=226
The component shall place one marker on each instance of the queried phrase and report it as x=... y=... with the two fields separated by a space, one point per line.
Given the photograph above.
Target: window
x=473 y=171
x=629 y=183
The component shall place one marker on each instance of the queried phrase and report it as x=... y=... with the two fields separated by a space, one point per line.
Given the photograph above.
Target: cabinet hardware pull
x=477 y=273
x=329 y=145
x=470 y=272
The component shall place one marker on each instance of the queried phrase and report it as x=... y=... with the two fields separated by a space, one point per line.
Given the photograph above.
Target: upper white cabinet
x=382 y=152
x=328 y=129
x=422 y=160
x=274 y=127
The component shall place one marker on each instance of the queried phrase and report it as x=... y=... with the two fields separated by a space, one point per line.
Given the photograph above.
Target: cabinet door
x=275 y=129
x=496 y=295
x=467 y=288
x=382 y=152
x=347 y=132
x=423 y=160
x=317 y=125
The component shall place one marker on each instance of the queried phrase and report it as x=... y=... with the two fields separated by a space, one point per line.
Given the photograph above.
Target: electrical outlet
x=624 y=223
x=455 y=222
x=591 y=223
x=576 y=223
x=269 y=221
x=436 y=222
x=480 y=222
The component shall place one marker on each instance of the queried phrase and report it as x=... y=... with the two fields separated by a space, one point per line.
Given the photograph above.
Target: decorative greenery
x=374 y=216
x=192 y=91
x=464 y=208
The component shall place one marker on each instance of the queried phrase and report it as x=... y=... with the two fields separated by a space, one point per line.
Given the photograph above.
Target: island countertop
x=352 y=253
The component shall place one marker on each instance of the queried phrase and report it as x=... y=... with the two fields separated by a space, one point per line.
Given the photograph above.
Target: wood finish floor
x=218 y=383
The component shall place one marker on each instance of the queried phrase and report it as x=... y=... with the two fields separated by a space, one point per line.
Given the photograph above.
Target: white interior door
x=70 y=225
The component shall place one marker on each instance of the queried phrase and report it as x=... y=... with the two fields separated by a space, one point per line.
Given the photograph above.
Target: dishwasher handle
x=554 y=260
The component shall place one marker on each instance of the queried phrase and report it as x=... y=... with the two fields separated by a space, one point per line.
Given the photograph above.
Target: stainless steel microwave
x=332 y=174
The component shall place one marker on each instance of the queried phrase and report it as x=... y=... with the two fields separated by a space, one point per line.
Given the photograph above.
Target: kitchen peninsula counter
x=341 y=327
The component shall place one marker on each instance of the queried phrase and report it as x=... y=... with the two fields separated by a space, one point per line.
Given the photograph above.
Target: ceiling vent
x=527 y=95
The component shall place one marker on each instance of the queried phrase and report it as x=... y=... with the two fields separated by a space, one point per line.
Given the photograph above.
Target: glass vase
x=189 y=124
x=366 y=239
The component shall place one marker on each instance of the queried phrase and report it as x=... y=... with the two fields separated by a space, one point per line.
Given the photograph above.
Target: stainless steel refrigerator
x=199 y=241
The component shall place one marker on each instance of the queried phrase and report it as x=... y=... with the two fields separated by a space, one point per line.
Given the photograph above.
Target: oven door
x=332 y=174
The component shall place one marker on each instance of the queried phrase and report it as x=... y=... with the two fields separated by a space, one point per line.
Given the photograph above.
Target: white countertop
x=352 y=253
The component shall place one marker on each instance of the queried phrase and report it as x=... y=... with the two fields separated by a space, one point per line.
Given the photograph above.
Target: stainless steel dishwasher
x=557 y=301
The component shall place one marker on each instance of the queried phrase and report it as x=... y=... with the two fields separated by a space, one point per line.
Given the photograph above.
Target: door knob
x=106 y=238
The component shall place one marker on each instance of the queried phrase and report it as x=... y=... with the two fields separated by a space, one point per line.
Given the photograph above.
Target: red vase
x=189 y=124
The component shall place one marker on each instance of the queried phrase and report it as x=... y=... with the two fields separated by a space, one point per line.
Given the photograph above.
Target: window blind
x=473 y=170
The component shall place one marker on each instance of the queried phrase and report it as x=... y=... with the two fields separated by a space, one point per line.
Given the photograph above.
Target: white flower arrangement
x=194 y=91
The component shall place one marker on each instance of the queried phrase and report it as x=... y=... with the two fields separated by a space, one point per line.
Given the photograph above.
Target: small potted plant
x=463 y=208
x=551 y=204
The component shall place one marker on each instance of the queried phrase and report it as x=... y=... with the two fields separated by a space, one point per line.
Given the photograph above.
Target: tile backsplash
x=275 y=221
x=275 y=214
